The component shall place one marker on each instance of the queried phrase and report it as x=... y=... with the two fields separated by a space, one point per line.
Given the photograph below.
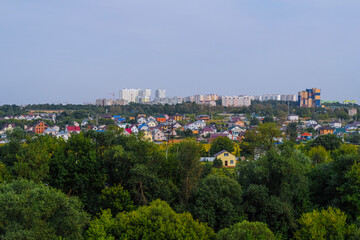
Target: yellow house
x=147 y=136
x=228 y=159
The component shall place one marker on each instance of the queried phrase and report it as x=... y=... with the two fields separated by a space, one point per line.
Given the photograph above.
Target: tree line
x=111 y=186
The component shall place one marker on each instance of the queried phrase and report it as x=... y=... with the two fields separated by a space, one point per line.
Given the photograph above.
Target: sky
x=77 y=51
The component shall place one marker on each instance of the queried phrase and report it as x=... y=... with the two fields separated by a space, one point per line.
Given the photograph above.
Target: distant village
x=165 y=128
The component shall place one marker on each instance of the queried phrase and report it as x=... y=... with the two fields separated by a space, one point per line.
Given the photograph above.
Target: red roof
x=128 y=130
x=73 y=128
x=306 y=134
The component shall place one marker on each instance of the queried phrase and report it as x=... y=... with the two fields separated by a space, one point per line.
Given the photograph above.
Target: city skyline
x=76 y=52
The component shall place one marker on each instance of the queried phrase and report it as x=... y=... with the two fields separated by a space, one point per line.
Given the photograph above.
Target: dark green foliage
x=157 y=221
x=221 y=143
x=145 y=186
x=354 y=138
x=217 y=163
x=266 y=120
x=35 y=211
x=323 y=225
x=260 y=140
x=33 y=159
x=75 y=169
x=276 y=189
x=291 y=131
x=330 y=142
x=187 y=154
x=246 y=231
x=217 y=201
x=117 y=199
x=254 y=121
x=333 y=183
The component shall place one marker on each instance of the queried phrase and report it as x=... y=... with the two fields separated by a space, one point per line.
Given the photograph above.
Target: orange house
x=161 y=118
x=178 y=117
x=326 y=130
x=239 y=123
x=40 y=127
x=203 y=117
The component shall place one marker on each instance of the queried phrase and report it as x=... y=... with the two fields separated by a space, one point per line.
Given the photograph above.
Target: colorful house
x=178 y=117
x=203 y=117
x=147 y=136
x=306 y=136
x=40 y=127
x=228 y=159
x=326 y=130
x=161 y=118
x=72 y=129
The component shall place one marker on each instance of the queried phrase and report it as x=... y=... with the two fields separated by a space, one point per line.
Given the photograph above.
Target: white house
x=191 y=126
x=236 y=130
x=141 y=120
x=200 y=124
x=143 y=127
x=206 y=131
x=152 y=123
x=63 y=135
x=134 y=129
x=335 y=124
x=159 y=135
x=293 y=117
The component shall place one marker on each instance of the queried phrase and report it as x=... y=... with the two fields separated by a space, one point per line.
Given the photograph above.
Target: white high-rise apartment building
x=129 y=95
x=145 y=93
x=236 y=101
x=160 y=93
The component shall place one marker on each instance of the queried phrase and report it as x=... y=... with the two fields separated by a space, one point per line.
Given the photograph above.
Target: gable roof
x=73 y=128
x=306 y=134
x=217 y=154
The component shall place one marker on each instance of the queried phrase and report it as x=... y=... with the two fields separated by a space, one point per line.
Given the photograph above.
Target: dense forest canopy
x=122 y=187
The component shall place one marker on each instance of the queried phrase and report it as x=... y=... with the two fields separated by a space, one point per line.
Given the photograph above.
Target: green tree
x=76 y=170
x=101 y=227
x=156 y=221
x=326 y=224
x=117 y=199
x=217 y=201
x=188 y=157
x=291 y=131
x=326 y=180
x=247 y=231
x=267 y=119
x=4 y=173
x=276 y=188
x=221 y=143
x=260 y=139
x=330 y=142
x=33 y=158
x=350 y=191
x=254 y=121
x=35 y=211
x=319 y=155
x=217 y=163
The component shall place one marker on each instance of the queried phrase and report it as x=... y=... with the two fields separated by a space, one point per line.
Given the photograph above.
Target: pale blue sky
x=77 y=51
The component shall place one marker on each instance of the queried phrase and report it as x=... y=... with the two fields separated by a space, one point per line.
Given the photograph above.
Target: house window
x=226 y=154
x=231 y=162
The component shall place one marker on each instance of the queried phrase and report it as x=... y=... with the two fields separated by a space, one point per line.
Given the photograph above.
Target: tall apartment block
x=160 y=93
x=144 y=96
x=309 y=98
x=236 y=101
x=129 y=95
